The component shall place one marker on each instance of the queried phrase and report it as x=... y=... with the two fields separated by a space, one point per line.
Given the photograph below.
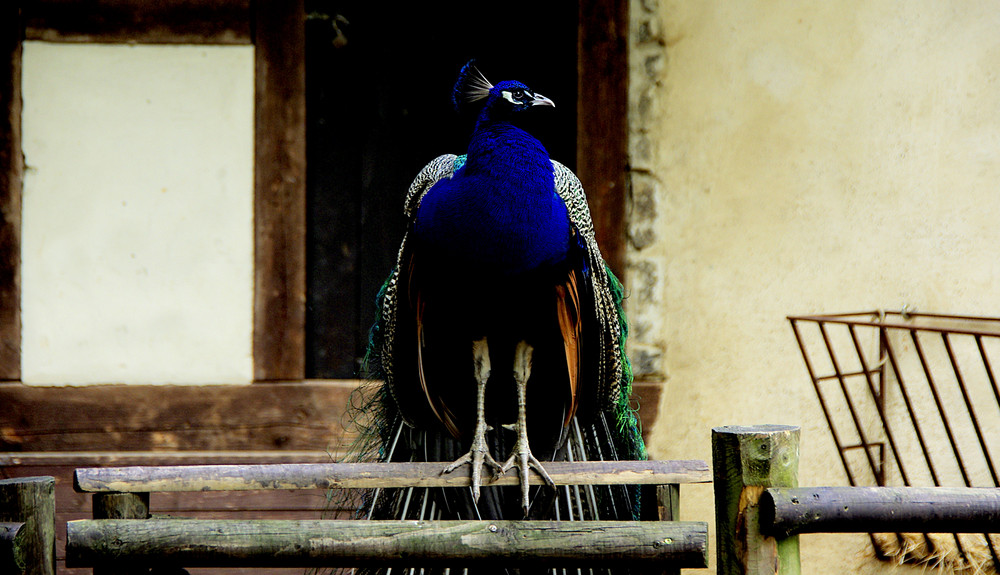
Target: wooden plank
x=602 y=121
x=31 y=500
x=366 y=475
x=307 y=416
x=40 y=463
x=139 y=21
x=279 y=205
x=11 y=179
x=349 y=543
x=787 y=511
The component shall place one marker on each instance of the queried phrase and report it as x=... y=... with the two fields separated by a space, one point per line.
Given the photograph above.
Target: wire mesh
x=912 y=400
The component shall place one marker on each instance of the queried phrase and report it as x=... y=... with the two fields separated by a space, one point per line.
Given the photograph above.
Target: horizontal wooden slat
x=306 y=415
x=139 y=21
x=366 y=475
x=57 y=459
x=348 y=543
x=257 y=417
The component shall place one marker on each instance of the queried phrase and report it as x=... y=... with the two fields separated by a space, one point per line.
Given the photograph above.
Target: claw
x=521 y=457
x=478 y=455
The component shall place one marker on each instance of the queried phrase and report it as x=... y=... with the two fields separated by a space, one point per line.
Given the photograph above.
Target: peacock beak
x=540 y=100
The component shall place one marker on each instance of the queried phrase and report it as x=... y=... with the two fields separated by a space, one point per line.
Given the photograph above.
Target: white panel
x=137 y=237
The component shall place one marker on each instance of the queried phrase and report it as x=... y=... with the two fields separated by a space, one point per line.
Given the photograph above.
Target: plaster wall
x=137 y=222
x=797 y=158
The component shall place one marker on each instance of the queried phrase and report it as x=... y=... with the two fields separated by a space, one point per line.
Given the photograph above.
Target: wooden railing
x=123 y=535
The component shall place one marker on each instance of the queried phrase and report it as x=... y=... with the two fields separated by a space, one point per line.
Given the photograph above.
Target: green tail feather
x=626 y=417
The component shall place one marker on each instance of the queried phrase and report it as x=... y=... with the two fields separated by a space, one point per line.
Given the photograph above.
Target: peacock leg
x=479 y=452
x=521 y=456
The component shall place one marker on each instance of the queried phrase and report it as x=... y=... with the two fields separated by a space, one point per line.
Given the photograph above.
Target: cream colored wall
x=801 y=158
x=137 y=222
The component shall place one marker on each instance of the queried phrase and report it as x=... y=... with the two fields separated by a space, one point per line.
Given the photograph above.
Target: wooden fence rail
x=369 y=475
x=784 y=512
x=123 y=536
x=333 y=543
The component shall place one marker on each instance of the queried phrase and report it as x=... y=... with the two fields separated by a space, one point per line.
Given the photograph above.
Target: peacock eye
x=518 y=93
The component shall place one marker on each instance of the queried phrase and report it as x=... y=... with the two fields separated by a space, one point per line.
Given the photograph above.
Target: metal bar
x=940 y=407
x=968 y=405
x=822 y=403
x=944 y=420
x=880 y=407
x=848 y=374
x=909 y=405
x=850 y=403
x=846 y=319
x=978 y=429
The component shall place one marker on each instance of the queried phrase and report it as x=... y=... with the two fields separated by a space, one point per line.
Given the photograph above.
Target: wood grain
x=280 y=192
x=259 y=417
x=11 y=179
x=367 y=475
x=138 y=21
x=602 y=122
x=348 y=543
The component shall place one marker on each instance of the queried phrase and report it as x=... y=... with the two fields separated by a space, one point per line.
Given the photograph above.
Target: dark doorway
x=378 y=81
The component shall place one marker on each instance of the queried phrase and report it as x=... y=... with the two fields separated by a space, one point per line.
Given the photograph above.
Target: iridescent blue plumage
x=501 y=310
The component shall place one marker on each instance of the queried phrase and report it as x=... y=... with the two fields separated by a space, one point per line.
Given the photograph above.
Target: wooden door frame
x=276 y=29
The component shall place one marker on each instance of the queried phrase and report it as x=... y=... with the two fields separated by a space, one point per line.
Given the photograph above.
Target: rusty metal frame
x=919 y=330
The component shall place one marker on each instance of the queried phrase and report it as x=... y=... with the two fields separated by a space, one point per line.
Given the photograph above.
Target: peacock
x=499 y=337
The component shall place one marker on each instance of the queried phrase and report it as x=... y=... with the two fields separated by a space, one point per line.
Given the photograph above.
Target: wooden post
x=120 y=506
x=746 y=460
x=668 y=502
x=32 y=501
x=12 y=536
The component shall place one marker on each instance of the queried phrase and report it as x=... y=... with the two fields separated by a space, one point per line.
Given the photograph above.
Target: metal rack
x=911 y=399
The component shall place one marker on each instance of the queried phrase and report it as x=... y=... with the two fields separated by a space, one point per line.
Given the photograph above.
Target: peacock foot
x=479 y=453
x=478 y=457
x=522 y=458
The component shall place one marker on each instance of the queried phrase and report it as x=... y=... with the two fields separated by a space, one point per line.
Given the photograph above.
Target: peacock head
x=502 y=100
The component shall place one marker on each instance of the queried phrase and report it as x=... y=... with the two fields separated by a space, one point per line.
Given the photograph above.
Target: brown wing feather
x=570 y=326
x=441 y=411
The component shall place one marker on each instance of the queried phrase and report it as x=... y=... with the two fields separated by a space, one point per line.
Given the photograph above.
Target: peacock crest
x=471 y=86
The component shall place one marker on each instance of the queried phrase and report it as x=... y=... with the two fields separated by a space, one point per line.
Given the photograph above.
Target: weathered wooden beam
x=12 y=552
x=787 y=511
x=280 y=190
x=32 y=501
x=11 y=180
x=365 y=475
x=139 y=21
x=745 y=461
x=214 y=543
x=602 y=121
x=255 y=417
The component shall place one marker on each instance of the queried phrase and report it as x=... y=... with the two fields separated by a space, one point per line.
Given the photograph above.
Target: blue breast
x=499 y=214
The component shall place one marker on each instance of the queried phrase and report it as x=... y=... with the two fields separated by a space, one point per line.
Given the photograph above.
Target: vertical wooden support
x=602 y=121
x=121 y=506
x=745 y=461
x=32 y=501
x=668 y=501
x=280 y=191
x=11 y=177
